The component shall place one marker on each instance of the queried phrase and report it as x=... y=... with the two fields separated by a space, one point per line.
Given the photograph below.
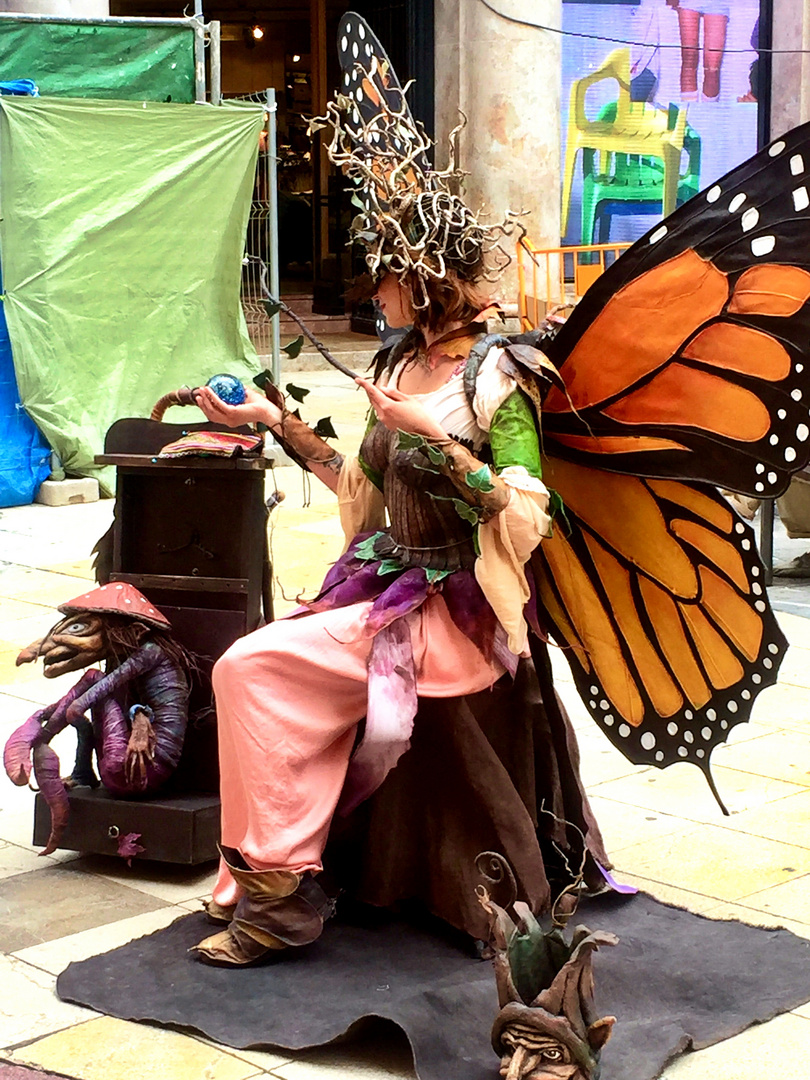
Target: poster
x=676 y=71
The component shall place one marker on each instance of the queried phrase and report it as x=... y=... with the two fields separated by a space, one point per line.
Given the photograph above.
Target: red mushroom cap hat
x=120 y=599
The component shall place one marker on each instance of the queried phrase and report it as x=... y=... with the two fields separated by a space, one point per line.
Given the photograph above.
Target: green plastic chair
x=632 y=184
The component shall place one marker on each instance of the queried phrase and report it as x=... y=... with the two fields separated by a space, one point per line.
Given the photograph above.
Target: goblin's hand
x=140 y=750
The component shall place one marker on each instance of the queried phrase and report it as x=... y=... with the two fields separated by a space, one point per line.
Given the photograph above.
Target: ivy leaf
x=294 y=347
x=465 y=511
x=324 y=428
x=407 y=441
x=365 y=551
x=388 y=566
x=480 y=480
x=436 y=575
x=427 y=467
x=261 y=428
x=357 y=201
x=272 y=307
x=436 y=455
x=296 y=413
x=297 y=393
x=263 y=378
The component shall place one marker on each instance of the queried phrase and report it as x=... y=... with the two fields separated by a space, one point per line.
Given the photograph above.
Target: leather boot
x=217 y=913
x=278 y=909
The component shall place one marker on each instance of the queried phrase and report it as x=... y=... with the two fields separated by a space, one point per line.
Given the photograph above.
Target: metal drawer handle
x=113 y=832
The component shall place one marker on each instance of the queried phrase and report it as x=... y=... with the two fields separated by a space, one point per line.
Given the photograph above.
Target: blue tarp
x=25 y=457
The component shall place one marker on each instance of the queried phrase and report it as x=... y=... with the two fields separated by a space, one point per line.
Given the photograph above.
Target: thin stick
x=322 y=349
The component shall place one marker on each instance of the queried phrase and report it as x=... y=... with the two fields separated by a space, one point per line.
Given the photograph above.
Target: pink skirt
x=289 y=697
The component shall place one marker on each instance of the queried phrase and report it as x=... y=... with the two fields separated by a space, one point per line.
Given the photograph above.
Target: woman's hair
x=450 y=299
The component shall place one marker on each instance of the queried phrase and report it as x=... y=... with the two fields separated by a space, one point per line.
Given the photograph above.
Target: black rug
x=676 y=981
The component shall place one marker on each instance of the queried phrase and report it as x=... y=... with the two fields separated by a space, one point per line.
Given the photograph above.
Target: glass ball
x=228 y=389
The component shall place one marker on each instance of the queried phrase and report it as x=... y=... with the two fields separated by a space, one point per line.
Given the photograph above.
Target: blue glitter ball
x=227 y=388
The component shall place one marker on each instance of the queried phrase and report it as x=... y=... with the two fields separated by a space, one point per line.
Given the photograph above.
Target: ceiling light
x=296 y=58
x=257 y=32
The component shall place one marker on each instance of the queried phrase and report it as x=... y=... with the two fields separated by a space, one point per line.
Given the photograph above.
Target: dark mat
x=676 y=981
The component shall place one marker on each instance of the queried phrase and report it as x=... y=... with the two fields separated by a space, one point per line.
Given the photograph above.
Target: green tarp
x=132 y=63
x=122 y=238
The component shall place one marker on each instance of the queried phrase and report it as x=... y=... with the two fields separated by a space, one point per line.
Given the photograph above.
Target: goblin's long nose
x=31 y=652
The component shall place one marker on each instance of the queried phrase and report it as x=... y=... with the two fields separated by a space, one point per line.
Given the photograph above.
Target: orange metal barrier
x=558 y=277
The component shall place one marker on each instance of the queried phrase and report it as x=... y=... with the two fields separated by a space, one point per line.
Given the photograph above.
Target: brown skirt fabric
x=479 y=775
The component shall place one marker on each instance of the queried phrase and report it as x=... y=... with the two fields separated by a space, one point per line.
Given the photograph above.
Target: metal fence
x=260 y=273
x=557 y=277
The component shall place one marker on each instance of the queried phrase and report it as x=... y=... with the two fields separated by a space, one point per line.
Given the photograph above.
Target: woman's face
x=394 y=302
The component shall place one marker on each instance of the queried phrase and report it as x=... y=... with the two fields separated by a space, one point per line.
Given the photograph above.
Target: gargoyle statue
x=138 y=706
x=547 y=1028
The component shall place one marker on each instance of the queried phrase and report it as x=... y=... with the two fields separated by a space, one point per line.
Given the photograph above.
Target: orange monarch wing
x=653 y=588
x=689 y=357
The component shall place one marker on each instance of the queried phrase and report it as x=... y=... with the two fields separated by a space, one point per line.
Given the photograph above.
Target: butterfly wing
x=380 y=122
x=688 y=357
x=654 y=590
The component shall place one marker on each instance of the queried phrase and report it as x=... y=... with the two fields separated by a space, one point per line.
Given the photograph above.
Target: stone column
x=77 y=9
x=790 y=84
x=505 y=77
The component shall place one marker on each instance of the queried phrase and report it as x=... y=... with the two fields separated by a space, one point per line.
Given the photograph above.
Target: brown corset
x=424 y=531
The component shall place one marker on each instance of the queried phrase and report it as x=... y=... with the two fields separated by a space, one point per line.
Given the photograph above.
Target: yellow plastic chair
x=638 y=128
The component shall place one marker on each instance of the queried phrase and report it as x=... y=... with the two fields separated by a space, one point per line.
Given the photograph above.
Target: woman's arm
x=321 y=459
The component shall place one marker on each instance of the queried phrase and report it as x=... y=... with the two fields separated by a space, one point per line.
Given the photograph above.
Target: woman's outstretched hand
x=400 y=412
x=255 y=409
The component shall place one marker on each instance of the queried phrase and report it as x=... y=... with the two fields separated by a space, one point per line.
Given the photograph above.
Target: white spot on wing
x=713 y=194
x=659 y=234
x=776 y=149
x=648 y=740
x=737 y=202
x=790 y=453
x=801 y=200
x=797 y=165
x=749 y=219
x=802 y=432
x=762 y=245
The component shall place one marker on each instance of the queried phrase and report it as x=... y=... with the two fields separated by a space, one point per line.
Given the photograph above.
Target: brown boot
x=217 y=913
x=278 y=909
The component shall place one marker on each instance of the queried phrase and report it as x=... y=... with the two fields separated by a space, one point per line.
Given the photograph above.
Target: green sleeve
x=513 y=435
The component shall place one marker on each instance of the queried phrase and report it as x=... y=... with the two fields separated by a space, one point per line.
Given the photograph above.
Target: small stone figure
x=547 y=1028
x=139 y=705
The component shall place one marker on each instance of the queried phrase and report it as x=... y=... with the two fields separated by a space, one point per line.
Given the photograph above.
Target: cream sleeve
x=506 y=542
x=360 y=503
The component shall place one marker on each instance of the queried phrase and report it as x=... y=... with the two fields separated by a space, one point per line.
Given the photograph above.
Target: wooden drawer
x=176 y=829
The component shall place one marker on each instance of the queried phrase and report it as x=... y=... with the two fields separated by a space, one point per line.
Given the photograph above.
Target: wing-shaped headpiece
x=411 y=219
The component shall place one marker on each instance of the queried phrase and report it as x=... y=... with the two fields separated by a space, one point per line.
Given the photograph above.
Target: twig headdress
x=411 y=219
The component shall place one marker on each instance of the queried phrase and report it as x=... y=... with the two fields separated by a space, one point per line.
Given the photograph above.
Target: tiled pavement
x=663 y=829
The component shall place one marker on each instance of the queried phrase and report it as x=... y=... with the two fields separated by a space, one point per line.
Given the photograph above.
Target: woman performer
x=419 y=627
